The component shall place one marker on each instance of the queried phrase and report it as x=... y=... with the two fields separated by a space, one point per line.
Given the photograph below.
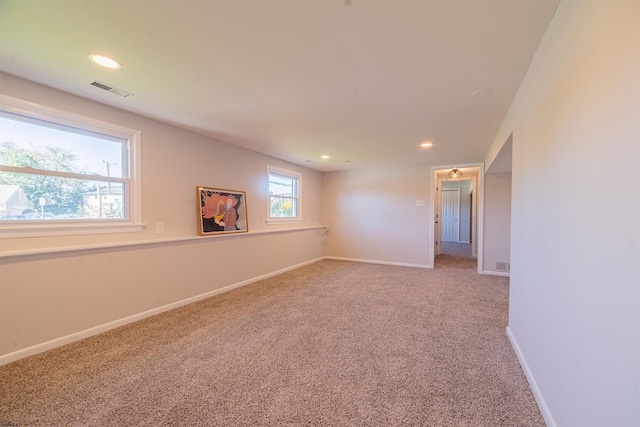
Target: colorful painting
x=222 y=211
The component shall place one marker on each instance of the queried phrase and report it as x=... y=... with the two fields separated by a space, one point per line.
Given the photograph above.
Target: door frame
x=477 y=213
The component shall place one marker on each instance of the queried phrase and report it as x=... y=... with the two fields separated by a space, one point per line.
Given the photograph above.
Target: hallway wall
x=575 y=286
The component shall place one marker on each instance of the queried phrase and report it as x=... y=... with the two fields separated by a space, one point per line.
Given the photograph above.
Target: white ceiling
x=363 y=81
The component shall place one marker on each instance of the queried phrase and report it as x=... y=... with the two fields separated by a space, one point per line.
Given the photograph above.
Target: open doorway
x=457 y=225
x=456 y=215
x=497 y=209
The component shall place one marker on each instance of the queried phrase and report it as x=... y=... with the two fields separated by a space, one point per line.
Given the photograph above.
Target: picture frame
x=221 y=211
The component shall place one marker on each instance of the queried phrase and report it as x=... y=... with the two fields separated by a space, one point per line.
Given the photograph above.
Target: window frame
x=132 y=222
x=297 y=198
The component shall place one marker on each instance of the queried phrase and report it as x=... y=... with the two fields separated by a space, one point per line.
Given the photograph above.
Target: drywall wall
x=46 y=297
x=497 y=221
x=379 y=215
x=574 y=311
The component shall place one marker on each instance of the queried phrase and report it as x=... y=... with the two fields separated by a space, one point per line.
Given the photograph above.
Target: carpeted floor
x=334 y=343
x=455 y=248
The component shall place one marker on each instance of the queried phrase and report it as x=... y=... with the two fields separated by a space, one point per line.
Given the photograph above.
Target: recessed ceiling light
x=426 y=144
x=324 y=157
x=105 y=61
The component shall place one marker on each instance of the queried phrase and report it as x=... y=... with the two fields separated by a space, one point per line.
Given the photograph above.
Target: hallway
x=457 y=249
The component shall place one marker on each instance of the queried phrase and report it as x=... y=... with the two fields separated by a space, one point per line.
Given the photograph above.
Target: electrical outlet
x=159 y=227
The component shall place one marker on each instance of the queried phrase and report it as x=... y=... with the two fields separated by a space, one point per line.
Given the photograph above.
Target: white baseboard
x=542 y=405
x=496 y=273
x=369 y=261
x=76 y=336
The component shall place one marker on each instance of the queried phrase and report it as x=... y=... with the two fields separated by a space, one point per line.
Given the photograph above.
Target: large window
x=63 y=173
x=284 y=194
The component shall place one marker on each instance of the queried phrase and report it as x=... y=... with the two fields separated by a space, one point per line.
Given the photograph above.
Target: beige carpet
x=329 y=344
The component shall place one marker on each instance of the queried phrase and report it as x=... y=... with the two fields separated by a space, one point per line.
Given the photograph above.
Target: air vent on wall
x=114 y=90
x=503 y=266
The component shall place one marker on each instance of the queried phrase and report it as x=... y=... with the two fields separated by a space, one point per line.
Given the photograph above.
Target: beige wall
x=48 y=297
x=373 y=215
x=574 y=311
x=497 y=220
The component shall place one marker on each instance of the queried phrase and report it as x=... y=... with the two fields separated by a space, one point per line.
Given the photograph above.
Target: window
x=284 y=194
x=65 y=174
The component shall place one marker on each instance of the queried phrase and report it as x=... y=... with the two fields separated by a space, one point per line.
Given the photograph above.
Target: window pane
x=35 y=197
x=284 y=193
x=282 y=207
x=46 y=146
x=281 y=185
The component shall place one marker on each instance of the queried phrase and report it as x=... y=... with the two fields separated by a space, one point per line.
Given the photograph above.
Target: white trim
x=496 y=273
x=134 y=197
x=542 y=404
x=85 y=248
x=43 y=112
x=31 y=171
x=76 y=336
x=272 y=221
x=370 y=261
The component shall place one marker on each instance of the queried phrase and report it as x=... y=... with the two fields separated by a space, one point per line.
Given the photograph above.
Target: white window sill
x=272 y=221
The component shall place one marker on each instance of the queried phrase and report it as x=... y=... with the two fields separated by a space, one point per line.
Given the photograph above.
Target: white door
x=451 y=215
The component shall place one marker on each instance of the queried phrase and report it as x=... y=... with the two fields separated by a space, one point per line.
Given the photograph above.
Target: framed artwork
x=221 y=211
